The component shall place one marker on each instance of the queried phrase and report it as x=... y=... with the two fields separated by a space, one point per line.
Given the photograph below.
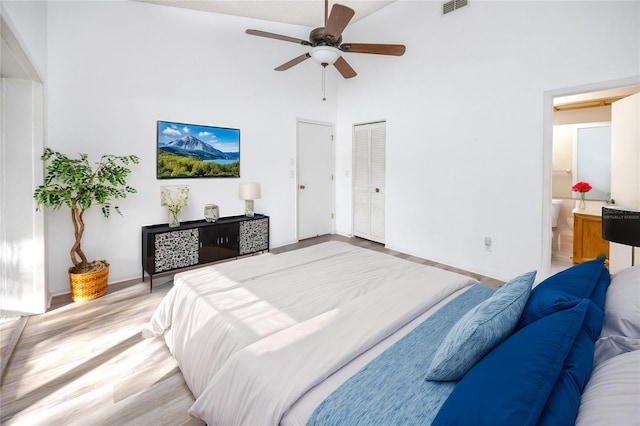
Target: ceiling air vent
x=452 y=5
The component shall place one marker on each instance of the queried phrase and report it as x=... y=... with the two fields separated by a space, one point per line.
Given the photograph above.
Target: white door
x=315 y=179
x=369 y=169
x=625 y=169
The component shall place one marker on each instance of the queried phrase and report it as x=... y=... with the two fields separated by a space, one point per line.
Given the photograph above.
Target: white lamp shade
x=325 y=54
x=249 y=191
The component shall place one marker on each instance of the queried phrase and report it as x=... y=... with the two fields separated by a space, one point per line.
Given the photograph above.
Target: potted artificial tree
x=77 y=185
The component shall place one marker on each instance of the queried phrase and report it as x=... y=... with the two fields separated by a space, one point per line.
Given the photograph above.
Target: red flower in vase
x=581 y=187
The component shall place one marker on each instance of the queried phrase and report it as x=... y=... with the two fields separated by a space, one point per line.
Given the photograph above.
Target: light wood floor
x=88 y=364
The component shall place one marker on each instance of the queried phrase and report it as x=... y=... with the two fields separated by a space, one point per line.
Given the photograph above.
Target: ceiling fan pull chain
x=324 y=92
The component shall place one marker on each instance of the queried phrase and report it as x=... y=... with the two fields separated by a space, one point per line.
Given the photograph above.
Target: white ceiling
x=309 y=13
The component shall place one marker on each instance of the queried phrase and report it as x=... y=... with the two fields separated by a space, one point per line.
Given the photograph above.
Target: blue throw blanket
x=391 y=389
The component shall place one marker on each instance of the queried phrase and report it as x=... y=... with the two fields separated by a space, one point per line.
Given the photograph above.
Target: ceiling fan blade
x=377 y=49
x=326 y=12
x=344 y=68
x=278 y=37
x=337 y=22
x=294 y=61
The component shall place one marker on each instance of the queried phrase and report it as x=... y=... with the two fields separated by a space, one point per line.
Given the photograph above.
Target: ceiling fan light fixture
x=325 y=54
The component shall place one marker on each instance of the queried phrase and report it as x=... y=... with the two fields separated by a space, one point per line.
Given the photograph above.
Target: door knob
x=302 y=186
x=377 y=189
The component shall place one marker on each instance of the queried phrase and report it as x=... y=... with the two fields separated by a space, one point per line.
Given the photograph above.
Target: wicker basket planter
x=90 y=285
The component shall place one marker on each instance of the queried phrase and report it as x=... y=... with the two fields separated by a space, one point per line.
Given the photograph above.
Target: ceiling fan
x=326 y=42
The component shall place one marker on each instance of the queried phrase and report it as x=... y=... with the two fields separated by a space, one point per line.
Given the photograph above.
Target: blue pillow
x=600 y=290
x=566 y=289
x=511 y=385
x=564 y=401
x=480 y=330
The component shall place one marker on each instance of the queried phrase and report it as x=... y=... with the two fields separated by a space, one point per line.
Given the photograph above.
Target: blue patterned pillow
x=480 y=330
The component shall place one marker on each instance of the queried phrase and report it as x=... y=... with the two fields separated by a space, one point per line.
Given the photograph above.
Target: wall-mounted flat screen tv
x=197 y=151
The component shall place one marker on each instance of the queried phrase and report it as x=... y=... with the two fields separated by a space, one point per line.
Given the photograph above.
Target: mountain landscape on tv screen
x=189 y=157
x=192 y=147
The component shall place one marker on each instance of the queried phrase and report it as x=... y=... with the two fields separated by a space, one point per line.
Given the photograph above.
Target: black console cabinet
x=197 y=242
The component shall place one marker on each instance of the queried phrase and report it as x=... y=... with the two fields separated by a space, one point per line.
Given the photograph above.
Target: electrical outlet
x=488 y=244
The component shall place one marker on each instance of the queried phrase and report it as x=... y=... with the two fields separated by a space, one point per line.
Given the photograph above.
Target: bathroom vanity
x=588 y=243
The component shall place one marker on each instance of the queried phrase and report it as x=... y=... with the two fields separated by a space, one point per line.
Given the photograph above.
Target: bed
x=337 y=334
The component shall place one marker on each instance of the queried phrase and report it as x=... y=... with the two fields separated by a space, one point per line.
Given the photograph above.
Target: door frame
x=333 y=171
x=547 y=148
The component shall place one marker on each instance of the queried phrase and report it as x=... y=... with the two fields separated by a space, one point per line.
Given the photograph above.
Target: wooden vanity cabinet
x=588 y=243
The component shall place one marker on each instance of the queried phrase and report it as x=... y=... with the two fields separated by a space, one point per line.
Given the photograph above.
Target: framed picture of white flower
x=197 y=151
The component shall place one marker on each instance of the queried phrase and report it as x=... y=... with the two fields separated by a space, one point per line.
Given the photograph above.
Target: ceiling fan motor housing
x=316 y=39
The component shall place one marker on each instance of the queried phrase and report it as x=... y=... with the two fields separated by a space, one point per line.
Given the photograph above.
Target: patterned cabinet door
x=254 y=236
x=176 y=249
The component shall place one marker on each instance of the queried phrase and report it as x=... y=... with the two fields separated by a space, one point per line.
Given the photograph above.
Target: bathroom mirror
x=582 y=153
x=593 y=160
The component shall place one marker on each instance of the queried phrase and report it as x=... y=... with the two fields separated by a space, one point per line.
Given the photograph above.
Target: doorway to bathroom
x=580 y=119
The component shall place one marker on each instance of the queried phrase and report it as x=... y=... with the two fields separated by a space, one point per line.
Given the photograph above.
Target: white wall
x=23 y=285
x=114 y=68
x=28 y=22
x=464 y=109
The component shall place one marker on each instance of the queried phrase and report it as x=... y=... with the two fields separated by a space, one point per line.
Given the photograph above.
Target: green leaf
x=74 y=182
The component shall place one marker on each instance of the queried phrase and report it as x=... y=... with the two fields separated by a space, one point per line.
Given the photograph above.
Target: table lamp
x=249 y=191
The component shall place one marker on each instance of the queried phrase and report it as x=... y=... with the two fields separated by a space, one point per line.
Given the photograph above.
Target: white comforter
x=241 y=330
x=259 y=383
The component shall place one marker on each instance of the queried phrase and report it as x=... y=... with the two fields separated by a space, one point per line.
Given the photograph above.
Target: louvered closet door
x=369 y=181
